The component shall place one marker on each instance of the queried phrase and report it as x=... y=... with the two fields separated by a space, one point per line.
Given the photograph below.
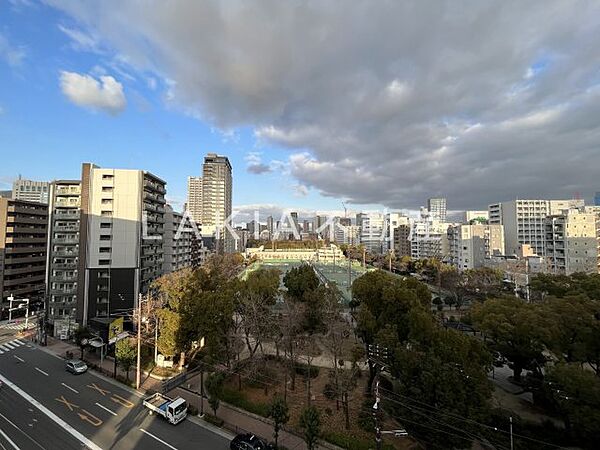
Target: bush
x=365 y=417
x=302 y=369
x=352 y=442
x=214 y=420
x=237 y=398
x=192 y=410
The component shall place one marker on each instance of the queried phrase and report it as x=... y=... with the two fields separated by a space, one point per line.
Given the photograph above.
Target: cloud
x=81 y=40
x=13 y=56
x=300 y=190
x=84 y=90
x=481 y=103
x=255 y=164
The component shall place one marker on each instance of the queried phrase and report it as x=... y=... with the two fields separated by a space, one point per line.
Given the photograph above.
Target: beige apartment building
x=472 y=246
x=23 y=237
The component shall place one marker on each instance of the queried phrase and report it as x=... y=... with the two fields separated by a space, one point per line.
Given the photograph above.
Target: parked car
x=249 y=442
x=76 y=366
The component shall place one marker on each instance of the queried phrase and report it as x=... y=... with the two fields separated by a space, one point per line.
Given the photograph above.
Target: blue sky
x=45 y=136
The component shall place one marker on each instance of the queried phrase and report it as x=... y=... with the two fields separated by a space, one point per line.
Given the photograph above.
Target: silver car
x=76 y=366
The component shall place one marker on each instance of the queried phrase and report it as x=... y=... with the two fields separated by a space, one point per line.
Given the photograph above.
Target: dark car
x=249 y=442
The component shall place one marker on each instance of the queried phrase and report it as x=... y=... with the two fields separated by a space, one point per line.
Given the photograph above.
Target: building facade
x=572 y=242
x=523 y=221
x=31 y=191
x=23 y=239
x=437 y=209
x=470 y=246
x=178 y=243
x=194 y=199
x=63 y=255
x=217 y=185
x=373 y=233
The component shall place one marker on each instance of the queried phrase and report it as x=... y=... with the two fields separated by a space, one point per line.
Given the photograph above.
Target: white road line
x=6 y=349
x=106 y=409
x=9 y=440
x=21 y=431
x=41 y=371
x=22 y=342
x=15 y=343
x=158 y=439
x=70 y=388
x=1 y=352
x=8 y=344
x=68 y=428
x=20 y=359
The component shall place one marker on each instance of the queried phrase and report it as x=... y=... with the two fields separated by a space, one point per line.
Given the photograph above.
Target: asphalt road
x=44 y=407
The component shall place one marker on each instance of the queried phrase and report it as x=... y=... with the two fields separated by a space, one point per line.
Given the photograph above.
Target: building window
x=105 y=237
x=107 y=201
x=107 y=188
x=107 y=176
x=104 y=262
x=106 y=213
x=105 y=225
x=104 y=249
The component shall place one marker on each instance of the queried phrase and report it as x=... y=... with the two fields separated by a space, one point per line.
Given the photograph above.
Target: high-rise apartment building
x=471 y=245
x=217 y=184
x=23 y=238
x=572 y=242
x=373 y=232
x=437 y=209
x=401 y=240
x=194 y=199
x=32 y=191
x=63 y=255
x=429 y=239
x=523 y=221
x=178 y=242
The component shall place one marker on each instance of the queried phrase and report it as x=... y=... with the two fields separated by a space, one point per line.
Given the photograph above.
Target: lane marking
x=19 y=340
x=6 y=349
x=41 y=371
x=9 y=440
x=122 y=401
x=157 y=438
x=21 y=431
x=7 y=344
x=68 y=428
x=70 y=388
x=20 y=359
x=66 y=402
x=90 y=418
x=95 y=387
x=1 y=352
x=16 y=343
x=106 y=409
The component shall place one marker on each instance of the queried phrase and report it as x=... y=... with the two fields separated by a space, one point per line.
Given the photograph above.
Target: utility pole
x=511 y=435
x=138 y=375
x=375 y=411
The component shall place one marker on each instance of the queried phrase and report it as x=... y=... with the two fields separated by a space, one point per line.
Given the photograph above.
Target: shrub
x=192 y=410
x=329 y=391
x=302 y=369
x=365 y=417
x=351 y=442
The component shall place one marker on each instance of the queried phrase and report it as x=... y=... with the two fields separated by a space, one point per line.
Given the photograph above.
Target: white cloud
x=13 y=56
x=81 y=40
x=300 y=190
x=84 y=90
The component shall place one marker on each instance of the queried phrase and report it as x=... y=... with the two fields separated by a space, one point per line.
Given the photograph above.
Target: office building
x=523 y=220
x=436 y=208
x=23 y=238
x=347 y=234
x=194 y=199
x=597 y=199
x=471 y=245
x=373 y=232
x=572 y=242
x=63 y=255
x=217 y=184
x=31 y=191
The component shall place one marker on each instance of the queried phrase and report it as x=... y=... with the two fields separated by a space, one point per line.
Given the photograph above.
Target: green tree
x=516 y=330
x=310 y=421
x=576 y=394
x=280 y=413
x=81 y=336
x=214 y=388
x=126 y=354
x=300 y=280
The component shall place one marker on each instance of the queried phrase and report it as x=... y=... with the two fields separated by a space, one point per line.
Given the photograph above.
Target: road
x=44 y=407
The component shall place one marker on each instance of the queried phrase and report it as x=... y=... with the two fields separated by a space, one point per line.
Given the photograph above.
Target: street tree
x=81 y=336
x=310 y=421
x=126 y=354
x=214 y=388
x=279 y=412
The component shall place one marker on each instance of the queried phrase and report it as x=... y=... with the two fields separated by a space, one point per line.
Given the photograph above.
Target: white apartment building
x=347 y=234
x=31 y=191
x=194 y=199
x=373 y=232
x=472 y=246
x=436 y=208
x=429 y=239
x=523 y=221
x=476 y=215
x=572 y=242
x=179 y=236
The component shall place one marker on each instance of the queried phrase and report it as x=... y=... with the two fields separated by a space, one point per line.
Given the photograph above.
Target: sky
x=377 y=104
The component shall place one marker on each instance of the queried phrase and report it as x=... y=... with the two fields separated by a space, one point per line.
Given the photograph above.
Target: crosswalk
x=11 y=345
x=17 y=326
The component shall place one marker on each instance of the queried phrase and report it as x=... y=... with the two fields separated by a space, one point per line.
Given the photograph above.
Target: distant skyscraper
x=217 y=184
x=294 y=224
x=31 y=191
x=437 y=209
x=597 y=199
x=194 y=199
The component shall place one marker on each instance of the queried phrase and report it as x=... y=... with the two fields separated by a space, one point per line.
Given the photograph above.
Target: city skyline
x=98 y=94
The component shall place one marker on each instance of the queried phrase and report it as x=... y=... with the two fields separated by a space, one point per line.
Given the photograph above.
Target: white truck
x=172 y=410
